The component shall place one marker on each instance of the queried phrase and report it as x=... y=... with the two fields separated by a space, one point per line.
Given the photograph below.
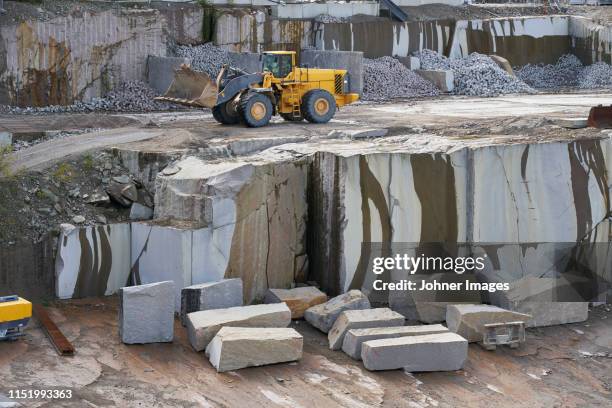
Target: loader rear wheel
x=290 y=118
x=318 y=106
x=255 y=109
x=225 y=114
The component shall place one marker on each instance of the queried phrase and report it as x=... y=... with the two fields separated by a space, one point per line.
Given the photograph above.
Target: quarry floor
x=560 y=366
x=511 y=119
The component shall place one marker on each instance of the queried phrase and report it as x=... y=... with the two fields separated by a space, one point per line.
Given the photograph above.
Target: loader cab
x=279 y=63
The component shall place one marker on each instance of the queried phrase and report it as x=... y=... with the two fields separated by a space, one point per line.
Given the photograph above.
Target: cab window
x=278 y=65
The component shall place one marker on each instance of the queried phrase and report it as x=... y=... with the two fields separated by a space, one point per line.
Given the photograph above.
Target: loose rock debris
x=475 y=75
x=386 y=78
x=130 y=96
x=568 y=71
x=205 y=58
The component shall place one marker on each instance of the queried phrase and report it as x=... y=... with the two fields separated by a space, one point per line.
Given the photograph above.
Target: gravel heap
x=386 y=78
x=130 y=96
x=326 y=18
x=598 y=75
x=205 y=58
x=476 y=74
x=564 y=73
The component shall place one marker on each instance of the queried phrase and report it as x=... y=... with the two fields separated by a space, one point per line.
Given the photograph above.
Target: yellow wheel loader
x=282 y=88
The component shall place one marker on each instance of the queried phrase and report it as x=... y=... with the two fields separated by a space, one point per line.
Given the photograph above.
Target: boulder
x=360 y=319
x=239 y=347
x=469 y=320
x=354 y=338
x=297 y=299
x=203 y=326
x=146 y=313
x=444 y=80
x=211 y=295
x=430 y=352
x=139 y=212
x=324 y=315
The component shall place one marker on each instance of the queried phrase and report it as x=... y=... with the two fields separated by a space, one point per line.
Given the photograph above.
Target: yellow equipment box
x=15 y=312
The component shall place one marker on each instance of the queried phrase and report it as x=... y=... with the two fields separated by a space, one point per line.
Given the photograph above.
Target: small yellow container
x=15 y=310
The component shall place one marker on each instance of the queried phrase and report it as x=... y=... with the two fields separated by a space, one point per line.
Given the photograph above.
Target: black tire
x=290 y=118
x=225 y=114
x=255 y=109
x=318 y=106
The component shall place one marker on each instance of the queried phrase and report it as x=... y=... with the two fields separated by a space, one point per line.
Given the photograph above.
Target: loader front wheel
x=225 y=114
x=255 y=109
x=318 y=106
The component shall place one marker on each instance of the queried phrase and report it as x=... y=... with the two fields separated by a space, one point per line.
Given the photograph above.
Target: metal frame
x=496 y=334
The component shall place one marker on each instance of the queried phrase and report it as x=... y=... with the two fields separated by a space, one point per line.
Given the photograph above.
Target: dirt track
x=195 y=129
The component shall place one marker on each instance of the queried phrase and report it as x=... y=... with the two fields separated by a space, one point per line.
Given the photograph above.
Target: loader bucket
x=191 y=88
x=600 y=117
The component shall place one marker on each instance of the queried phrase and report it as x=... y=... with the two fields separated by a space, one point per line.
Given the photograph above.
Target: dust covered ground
x=560 y=366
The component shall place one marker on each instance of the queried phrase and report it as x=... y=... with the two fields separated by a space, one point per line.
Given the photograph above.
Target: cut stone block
x=324 y=315
x=430 y=352
x=239 y=347
x=469 y=320
x=6 y=139
x=211 y=295
x=146 y=313
x=571 y=123
x=536 y=297
x=444 y=80
x=552 y=313
x=410 y=62
x=203 y=326
x=297 y=299
x=354 y=338
x=361 y=319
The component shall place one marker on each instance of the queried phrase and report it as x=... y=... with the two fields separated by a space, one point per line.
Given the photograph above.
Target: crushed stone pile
x=386 y=78
x=568 y=71
x=598 y=75
x=326 y=18
x=130 y=96
x=475 y=75
x=545 y=76
x=205 y=58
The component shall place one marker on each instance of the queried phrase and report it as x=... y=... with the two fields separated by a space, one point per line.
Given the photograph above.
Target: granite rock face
x=430 y=352
x=354 y=338
x=240 y=347
x=211 y=295
x=203 y=326
x=297 y=299
x=468 y=320
x=250 y=218
x=324 y=315
x=446 y=191
x=360 y=319
x=146 y=313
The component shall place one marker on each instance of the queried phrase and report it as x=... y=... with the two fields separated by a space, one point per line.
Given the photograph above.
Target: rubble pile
x=387 y=78
x=130 y=96
x=567 y=71
x=326 y=18
x=475 y=75
x=545 y=76
x=598 y=75
x=205 y=58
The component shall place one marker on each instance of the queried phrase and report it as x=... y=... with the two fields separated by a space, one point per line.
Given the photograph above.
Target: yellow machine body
x=14 y=311
x=300 y=80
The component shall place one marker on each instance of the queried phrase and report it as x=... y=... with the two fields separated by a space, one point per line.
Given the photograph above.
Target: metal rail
x=59 y=341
